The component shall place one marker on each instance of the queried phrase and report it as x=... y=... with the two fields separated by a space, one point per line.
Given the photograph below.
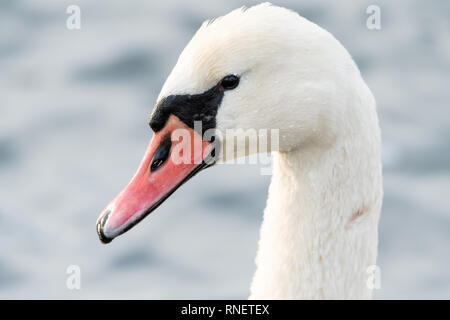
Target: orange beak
x=175 y=154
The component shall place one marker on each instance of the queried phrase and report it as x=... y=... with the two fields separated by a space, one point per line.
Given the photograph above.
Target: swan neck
x=313 y=242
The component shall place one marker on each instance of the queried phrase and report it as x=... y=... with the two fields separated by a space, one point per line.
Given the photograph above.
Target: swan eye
x=229 y=82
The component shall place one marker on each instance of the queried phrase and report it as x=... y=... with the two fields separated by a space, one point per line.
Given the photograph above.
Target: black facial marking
x=189 y=108
x=161 y=154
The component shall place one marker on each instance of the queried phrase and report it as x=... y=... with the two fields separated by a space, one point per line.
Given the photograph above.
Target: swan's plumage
x=297 y=77
x=319 y=233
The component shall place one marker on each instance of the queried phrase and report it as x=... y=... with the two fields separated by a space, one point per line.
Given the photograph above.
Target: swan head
x=262 y=68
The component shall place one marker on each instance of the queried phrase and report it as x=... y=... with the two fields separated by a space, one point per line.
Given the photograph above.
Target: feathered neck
x=319 y=233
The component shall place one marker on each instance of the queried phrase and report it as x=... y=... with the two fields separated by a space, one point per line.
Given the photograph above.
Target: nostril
x=161 y=154
x=156 y=164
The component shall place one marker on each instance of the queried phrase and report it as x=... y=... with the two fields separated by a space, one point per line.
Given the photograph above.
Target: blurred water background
x=74 y=107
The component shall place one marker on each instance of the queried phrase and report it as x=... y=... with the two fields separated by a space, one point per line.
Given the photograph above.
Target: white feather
x=319 y=233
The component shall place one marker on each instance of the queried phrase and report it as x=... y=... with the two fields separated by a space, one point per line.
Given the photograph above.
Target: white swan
x=268 y=68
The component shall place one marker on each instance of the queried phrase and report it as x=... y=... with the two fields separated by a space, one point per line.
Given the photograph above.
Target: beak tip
x=103 y=238
x=100 y=226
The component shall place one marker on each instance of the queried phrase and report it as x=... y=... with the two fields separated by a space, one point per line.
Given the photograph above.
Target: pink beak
x=169 y=161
